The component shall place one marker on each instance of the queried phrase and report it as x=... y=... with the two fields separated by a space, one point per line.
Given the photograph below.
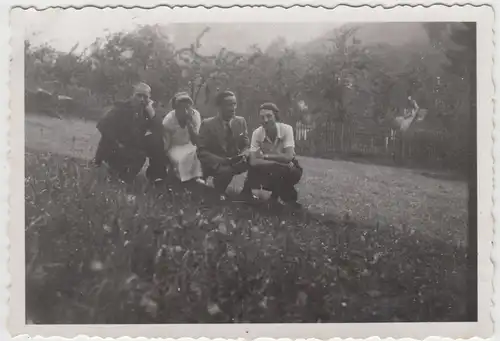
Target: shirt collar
x=223 y=121
x=279 y=132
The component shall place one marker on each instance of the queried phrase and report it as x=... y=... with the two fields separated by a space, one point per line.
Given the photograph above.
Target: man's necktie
x=229 y=138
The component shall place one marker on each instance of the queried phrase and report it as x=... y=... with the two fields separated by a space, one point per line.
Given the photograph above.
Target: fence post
x=342 y=137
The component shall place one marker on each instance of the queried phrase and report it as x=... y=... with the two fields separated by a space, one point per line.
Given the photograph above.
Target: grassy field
x=391 y=248
x=371 y=194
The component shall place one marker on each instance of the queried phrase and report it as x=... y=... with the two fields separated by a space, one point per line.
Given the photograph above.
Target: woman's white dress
x=180 y=150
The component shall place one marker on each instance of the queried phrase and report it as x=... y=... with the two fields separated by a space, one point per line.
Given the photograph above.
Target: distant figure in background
x=181 y=127
x=411 y=108
x=409 y=114
x=273 y=166
x=223 y=143
x=403 y=124
x=130 y=133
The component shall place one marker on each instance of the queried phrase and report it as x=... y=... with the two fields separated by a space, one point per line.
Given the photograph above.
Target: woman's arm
x=166 y=131
x=285 y=157
x=167 y=141
x=193 y=126
x=256 y=159
x=255 y=155
x=288 y=148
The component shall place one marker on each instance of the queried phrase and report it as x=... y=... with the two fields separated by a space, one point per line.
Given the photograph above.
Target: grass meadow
x=372 y=243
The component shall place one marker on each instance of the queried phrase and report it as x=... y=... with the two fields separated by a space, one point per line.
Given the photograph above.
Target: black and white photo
x=330 y=168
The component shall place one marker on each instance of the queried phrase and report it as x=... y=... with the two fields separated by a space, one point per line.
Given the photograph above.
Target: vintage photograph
x=243 y=172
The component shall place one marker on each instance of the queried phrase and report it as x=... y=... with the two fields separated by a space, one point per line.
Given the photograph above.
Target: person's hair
x=273 y=107
x=141 y=87
x=221 y=96
x=179 y=98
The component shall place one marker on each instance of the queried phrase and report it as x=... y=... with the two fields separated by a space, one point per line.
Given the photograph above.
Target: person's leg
x=257 y=177
x=154 y=148
x=280 y=180
x=267 y=177
x=104 y=150
x=100 y=153
x=222 y=178
x=126 y=164
x=289 y=178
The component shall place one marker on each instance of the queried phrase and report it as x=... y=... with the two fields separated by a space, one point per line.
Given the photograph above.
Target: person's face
x=267 y=118
x=228 y=107
x=183 y=109
x=140 y=100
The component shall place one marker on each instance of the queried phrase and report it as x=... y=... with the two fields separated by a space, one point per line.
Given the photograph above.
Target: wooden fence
x=417 y=148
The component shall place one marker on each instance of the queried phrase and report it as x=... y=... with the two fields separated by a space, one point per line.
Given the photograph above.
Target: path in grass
x=372 y=194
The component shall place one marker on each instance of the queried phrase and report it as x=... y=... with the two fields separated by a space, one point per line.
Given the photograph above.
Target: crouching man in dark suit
x=130 y=133
x=223 y=143
x=272 y=163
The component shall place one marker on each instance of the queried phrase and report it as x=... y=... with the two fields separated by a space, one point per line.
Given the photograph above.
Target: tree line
x=339 y=78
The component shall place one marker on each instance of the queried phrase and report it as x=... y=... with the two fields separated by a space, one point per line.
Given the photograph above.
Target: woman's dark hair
x=273 y=107
x=221 y=96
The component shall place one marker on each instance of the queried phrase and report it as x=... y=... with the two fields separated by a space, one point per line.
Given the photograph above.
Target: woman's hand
x=149 y=109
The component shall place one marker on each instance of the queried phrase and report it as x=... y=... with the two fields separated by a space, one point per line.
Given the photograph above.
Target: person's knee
x=253 y=179
x=257 y=169
x=224 y=171
x=294 y=175
x=222 y=180
x=240 y=167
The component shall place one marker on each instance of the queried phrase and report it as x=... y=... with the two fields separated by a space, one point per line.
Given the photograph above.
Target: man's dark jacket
x=212 y=147
x=125 y=125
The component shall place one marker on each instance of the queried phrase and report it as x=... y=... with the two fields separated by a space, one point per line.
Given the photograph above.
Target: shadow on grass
x=98 y=251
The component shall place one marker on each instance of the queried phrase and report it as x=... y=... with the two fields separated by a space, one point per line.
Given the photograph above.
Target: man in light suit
x=223 y=143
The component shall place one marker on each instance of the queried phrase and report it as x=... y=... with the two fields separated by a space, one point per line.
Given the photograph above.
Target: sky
x=64 y=28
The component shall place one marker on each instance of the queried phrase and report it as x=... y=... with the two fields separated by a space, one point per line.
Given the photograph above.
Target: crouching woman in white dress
x=181 y=127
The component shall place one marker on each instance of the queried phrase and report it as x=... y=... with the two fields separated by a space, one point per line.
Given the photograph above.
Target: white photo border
x=15 y=143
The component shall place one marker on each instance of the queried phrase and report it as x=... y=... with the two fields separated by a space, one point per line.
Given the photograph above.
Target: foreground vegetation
x=98 y=251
